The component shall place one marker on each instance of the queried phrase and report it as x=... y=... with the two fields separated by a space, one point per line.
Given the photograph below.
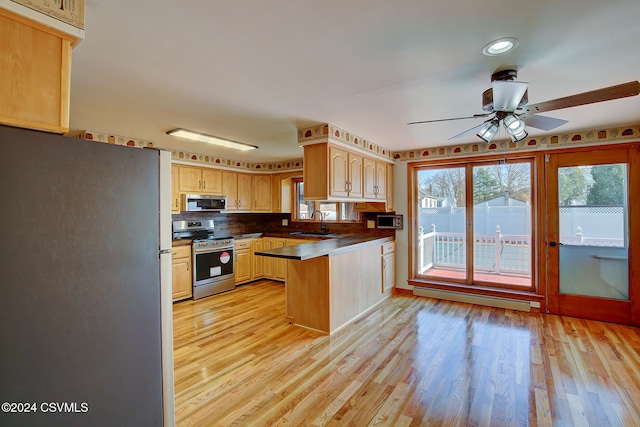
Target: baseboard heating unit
x=473 y=299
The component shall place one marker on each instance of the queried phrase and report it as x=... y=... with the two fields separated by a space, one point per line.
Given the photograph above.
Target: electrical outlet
x=371 y=224
x=285 y=222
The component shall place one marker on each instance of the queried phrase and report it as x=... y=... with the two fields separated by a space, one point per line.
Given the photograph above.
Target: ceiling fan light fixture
x=210 y=139
x=500 y=46
x=513 y=124
x=489 y=130
x=515 y=137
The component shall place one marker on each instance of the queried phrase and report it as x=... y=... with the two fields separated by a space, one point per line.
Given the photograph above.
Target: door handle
x=553 y=244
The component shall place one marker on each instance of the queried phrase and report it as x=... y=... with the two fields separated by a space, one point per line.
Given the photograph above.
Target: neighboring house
x=503 y=201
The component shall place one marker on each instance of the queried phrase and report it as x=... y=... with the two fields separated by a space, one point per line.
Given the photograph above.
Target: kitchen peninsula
x=331 y=282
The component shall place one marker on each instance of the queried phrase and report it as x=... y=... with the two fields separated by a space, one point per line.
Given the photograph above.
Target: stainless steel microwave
x=204 y=202
x=390 y=221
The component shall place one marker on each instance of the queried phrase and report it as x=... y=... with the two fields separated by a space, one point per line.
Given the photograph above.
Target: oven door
x=212 y=265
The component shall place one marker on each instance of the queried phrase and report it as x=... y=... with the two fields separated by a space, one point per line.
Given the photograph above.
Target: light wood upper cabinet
x=36 y=67
x=190 y=179
x=212 y=181
x=335 y=173
x=238 y=187
x=369 y=178
x=230 y=189
x=354 y=174
x=175 y=189
x=389 y=188
x=200 y=180
x=338 y=172
x=262 y=193
x=276 y=193
x=245 y=192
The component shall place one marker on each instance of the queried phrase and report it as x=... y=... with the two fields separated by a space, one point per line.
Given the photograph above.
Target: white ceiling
x=255 y=71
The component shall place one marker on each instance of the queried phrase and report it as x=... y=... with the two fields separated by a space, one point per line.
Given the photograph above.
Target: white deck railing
x=496 y=253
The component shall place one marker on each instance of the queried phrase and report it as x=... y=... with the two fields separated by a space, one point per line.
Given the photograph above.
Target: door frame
x=605 y=309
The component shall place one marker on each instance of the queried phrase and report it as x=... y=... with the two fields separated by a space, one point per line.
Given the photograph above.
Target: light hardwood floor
x=413 y=361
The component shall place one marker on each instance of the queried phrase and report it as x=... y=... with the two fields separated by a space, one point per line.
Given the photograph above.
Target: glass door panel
x=593 y=212
x=441 y=213
x=502 y=241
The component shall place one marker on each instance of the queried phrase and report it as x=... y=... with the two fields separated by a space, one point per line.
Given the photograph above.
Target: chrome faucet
x=323 y=226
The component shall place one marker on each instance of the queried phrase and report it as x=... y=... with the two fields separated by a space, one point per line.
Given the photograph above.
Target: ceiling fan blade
x=542 y=122
x=599 y=95
x=475 y=116
x=507 y=94
x=466 y=132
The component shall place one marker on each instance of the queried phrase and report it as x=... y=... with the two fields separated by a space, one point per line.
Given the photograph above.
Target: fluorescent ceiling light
x=500 y=46
x=203 y=137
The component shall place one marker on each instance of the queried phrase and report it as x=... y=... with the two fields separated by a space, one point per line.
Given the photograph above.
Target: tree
x=485 y=186
x=608 y=185
x=446 y=183
x=571 y=185
x=514 y=178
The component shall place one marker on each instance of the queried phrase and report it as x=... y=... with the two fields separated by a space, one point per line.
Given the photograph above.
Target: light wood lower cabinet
x=258 y=261
x=327 y=292
x=181 y=272
x=274 y=268
x=243 y=261
x=388 y=266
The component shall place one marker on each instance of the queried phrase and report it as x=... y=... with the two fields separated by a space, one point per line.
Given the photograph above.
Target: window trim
x=469 y=285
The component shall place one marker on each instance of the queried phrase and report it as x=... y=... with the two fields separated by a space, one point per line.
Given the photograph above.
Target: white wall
x=400 y=201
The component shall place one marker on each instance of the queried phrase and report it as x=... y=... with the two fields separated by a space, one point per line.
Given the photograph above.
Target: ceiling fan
x=506 y=103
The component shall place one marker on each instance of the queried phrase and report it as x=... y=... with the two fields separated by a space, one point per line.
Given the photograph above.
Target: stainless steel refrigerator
x=85 y=283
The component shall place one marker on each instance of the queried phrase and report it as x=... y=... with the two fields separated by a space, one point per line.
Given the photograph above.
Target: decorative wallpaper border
x=287 y=165
x=590 y=137
x=330 y=133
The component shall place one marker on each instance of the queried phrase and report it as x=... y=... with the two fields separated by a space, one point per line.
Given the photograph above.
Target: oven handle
x=210 y=250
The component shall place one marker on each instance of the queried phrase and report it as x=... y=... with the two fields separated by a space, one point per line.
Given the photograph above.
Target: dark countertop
x=327 y=247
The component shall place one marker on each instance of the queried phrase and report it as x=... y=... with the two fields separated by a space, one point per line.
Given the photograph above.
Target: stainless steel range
x=213 y=258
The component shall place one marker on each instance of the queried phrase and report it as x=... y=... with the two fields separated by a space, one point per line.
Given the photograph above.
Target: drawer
x=182 y=251
x=388 y=247
x=243 y=244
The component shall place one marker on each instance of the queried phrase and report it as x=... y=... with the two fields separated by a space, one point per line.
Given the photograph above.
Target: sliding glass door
x=475 y=224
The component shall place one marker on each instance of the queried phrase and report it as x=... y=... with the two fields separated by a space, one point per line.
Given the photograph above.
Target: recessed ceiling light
x=203 y=137
x=500 y=46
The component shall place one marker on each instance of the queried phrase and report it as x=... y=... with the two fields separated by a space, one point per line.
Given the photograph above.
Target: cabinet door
x=338 y=172
x=388 y=271
x=181 y=278
x=262 y=193
x=279 y=264
x=381 y=181
x=243 y=265
x=389 y=188
x=212 y=181
x=268 y=261
x=230 y=189
x=245 y=193
x=190 y=179
x=355 y=176
x=276 y=193
x=258 y=261
x=175 y=189
x=369 y=178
